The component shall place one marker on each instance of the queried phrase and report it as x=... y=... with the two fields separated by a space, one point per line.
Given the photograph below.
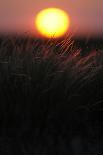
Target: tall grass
x=49 y=93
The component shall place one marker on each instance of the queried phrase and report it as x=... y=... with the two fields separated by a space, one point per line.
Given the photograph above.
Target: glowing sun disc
x=52 y=22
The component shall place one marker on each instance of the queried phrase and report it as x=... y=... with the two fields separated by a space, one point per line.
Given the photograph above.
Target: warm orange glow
x=52 y=22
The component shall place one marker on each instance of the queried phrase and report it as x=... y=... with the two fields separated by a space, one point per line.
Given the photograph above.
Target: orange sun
x=52 y=22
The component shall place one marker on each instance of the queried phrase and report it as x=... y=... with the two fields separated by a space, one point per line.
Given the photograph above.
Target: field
x=51 y=96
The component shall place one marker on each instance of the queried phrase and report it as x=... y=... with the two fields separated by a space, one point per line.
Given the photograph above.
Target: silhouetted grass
x=49 y=94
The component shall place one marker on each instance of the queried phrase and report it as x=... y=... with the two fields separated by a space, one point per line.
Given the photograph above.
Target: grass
x=49 y=94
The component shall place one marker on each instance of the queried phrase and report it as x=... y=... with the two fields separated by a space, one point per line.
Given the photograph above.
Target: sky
x=18 y=15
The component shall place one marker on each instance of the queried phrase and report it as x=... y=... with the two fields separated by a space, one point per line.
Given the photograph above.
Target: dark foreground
x=51 y=99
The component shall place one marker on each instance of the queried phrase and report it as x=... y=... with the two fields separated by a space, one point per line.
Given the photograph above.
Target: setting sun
x=52 y=22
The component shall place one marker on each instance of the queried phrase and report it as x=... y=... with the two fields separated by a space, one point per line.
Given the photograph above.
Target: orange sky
x=18 y=15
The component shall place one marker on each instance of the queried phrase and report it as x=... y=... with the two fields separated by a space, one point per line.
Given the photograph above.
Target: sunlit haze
x=18 y=16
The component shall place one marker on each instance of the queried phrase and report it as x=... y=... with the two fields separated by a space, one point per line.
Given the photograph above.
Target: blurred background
x=18 y=16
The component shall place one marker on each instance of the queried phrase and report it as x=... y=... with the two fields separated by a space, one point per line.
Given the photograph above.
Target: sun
x=52 y=22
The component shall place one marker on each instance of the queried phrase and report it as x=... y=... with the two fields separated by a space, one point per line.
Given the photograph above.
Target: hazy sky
x=18 y=15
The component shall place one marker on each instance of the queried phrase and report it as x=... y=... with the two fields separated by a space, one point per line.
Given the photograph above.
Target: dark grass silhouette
x=51 y=98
